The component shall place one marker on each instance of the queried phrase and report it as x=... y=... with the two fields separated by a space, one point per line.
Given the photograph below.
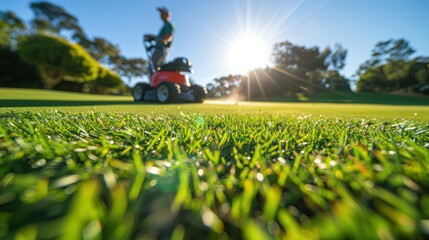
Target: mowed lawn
x=78 y=166
x=339 y=105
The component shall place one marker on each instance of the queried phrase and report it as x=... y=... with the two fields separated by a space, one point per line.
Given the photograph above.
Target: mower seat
x=178 y=64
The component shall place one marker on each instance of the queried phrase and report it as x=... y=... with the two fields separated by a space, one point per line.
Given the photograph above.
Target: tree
x=107 y=78
x=14 y=72
x=4 y=35
x=58 y=59
x=420 y=70
x=105 y=81
x=10 y=26
x=337 y=58
x=211 y=90
x=52 y=18
x=55 y=19
x=11 y=19
x=336 y=81
x=373 y=80
x=389 y=51
x=298 y=59
x=224 y=86
x=391 y=60
x=101 y=49
x=303 y=65
x=130 y=67
x=335 y=61
x=392 y=50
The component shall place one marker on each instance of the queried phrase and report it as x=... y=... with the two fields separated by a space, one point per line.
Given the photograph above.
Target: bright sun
x=248 y=53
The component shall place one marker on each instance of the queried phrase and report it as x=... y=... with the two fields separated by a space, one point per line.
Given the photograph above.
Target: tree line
x=301 y=69
x=53 y=51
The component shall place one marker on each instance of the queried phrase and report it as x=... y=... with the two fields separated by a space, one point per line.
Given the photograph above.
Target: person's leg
x=158 y=57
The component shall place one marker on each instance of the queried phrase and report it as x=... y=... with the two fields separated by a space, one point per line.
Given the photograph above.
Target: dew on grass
x=166 y=164
x=219 y=187
x=203 y=186
x=260 y=177
x=80 y=149
x=317 y=161
x=67 y=180
x=281 y=160
x=153 y=170
x=39 y=163
x=199 y=121
x=90 y=148
x=153 y=183
x=378 y=167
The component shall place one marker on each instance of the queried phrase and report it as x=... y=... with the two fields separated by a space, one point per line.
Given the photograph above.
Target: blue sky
x=205 y=29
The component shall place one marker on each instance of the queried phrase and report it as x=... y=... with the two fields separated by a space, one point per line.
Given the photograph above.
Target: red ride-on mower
x=168 y=83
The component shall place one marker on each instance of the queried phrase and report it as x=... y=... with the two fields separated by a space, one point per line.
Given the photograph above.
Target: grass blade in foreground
x=222 y=176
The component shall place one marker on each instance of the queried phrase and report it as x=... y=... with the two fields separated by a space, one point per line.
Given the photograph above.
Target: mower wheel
x=199 y=93
x=167 y=92
x=139 y=90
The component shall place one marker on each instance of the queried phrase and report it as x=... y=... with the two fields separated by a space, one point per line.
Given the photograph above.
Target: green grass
x=24 y=100
x=220 y=171
x=350 y=97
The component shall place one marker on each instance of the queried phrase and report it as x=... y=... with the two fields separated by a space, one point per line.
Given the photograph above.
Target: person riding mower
x=169 y=82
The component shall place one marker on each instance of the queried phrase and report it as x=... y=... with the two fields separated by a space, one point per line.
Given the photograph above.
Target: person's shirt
x=167 y=29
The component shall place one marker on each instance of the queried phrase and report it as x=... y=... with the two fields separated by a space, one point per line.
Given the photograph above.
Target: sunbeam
x=282 y=20
x=279 y=33
x=308 y=81
x=269 y=77
x=259 y=85
x=217 y=35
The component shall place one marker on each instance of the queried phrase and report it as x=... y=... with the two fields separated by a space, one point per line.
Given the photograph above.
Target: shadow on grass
x=58 y=103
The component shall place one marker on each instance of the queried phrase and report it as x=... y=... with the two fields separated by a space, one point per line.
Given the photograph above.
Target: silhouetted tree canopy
x=296 y=69
x=130 y=67
x=223 y=87
x=386 y=52
x=10 y=26
x=299 y=60
x=53 y=18
x=12 y=20
x=14 y=72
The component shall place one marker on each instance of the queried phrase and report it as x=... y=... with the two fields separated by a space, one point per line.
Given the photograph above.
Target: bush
x=58 y=59
x=16 y=73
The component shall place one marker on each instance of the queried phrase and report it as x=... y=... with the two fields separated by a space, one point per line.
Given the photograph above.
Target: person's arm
x=168 y=36
x=166 y=39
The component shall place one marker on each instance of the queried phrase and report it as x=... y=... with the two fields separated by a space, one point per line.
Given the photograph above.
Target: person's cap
x=163 y=9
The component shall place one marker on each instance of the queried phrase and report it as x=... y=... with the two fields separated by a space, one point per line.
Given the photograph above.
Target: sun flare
x=248 y=53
